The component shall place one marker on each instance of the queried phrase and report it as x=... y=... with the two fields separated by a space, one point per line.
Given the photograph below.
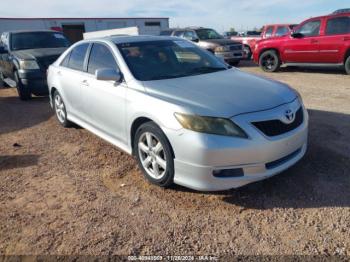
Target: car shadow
x=16 y=161
x=16 y=114
x=320 y=179
x=298 y=69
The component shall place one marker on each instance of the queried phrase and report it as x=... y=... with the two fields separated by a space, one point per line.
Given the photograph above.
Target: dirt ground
x=65 y=191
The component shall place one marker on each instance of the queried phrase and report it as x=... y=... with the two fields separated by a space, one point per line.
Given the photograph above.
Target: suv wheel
x=347 y=65
x=269 y=61
x=154 y=155
x=23 y=92
x=60 y=110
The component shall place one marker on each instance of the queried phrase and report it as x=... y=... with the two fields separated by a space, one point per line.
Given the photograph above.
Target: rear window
x=77 y=57
x=35 y=40
x=282 y=30
x=338 y=26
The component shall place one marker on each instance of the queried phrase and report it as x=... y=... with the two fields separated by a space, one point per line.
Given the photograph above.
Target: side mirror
x=3 y=50
x=108 y=74
x=297 y=35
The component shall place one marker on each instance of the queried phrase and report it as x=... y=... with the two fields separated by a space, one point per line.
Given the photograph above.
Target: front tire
x=23 y=91
x=154 y=154
x=347 y=65
x=60 y=110
x=269 y=61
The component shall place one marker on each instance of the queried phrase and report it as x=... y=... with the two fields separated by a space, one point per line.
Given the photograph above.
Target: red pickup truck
x=250 y=38
x=319 y=41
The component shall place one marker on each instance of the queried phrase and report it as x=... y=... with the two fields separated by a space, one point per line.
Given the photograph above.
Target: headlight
x=28 y=64
x=210 y=125
x=222 y=49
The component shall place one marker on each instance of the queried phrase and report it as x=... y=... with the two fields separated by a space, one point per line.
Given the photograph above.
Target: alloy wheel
x=60 y=109
x=152 y=155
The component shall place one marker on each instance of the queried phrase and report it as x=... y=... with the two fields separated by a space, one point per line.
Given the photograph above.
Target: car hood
x=222 y=94
x=38 y=53
x=219 y=41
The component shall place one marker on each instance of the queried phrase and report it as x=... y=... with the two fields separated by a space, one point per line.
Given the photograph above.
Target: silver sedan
x=186 y=116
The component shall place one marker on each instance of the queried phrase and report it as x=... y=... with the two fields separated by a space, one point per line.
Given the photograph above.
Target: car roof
x=32 y=31
x=330 y=16
x=120 y=39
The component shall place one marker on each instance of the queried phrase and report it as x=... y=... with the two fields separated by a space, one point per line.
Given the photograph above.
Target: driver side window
x=101 y=57
x=311 y=28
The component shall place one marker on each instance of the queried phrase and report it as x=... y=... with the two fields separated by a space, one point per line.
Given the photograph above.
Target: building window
x=152 y=23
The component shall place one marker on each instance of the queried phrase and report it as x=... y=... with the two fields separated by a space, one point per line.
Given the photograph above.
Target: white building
x=74 y=28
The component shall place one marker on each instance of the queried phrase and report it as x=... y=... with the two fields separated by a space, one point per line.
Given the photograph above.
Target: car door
x=332 y=43
x=71 y=74
x=304 y=49
x=104 y=101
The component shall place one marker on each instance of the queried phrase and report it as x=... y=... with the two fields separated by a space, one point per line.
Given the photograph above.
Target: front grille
x=277 y=127
x=235 y=47
x=45 y=62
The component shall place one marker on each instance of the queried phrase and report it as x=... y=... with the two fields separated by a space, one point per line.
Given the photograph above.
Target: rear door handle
x=85 y=83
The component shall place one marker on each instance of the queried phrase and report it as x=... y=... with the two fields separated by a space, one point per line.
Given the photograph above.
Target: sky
x=219 y=14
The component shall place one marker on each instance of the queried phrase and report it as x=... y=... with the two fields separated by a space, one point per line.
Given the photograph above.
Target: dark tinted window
x=100 y=57
x=34 y=40
x=178 y=33
x=152 y=23
x=338 y=26
x=189 y=35
x=311 y=28
x=269 y=31
x=77 y=57
x=282 y=30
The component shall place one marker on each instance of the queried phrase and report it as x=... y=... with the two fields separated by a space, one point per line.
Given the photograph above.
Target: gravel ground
x=65 y=191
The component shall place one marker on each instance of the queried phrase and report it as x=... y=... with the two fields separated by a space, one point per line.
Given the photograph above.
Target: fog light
x=227 y=173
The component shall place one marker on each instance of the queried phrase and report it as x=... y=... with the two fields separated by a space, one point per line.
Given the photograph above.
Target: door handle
x=347 y=38
x=314 y=41
x=85 y=83
x=59 y=73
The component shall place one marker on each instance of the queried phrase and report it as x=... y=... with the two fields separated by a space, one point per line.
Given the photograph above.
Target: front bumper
x=35 y=80
x=197 y=156
x=231 y=56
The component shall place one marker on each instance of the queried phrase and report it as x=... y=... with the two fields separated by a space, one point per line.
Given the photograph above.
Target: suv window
x=77 y=57
x=168 y=32
x=282 y=30
x=178 y=33
x=189 y=35
x=311 y=28
x=100 y=57
x=338 y=26
x=269 y=31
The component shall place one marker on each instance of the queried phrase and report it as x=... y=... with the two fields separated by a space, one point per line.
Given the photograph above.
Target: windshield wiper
x=207 y=69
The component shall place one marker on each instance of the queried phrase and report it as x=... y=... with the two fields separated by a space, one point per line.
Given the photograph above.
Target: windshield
x=165 y=59
x=205 y=34
x=34 y=40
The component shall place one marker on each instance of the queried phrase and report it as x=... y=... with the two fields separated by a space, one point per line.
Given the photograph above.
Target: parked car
x=209 y=39
x=319 y=41
x=250 y=38
x=188 y=117
x=25 y=57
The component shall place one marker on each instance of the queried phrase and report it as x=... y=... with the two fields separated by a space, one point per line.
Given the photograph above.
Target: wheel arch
x=136 y=124
x=270 y=49
x=347 y=54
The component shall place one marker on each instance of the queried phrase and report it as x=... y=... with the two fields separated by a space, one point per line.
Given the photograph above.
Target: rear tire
x=23 y=92
x=347 y=65
x=154 y=154
x=269 y=61
x=60 y=110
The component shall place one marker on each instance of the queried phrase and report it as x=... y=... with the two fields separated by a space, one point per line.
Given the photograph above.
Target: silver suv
x=187 y=117
x=230 y=51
